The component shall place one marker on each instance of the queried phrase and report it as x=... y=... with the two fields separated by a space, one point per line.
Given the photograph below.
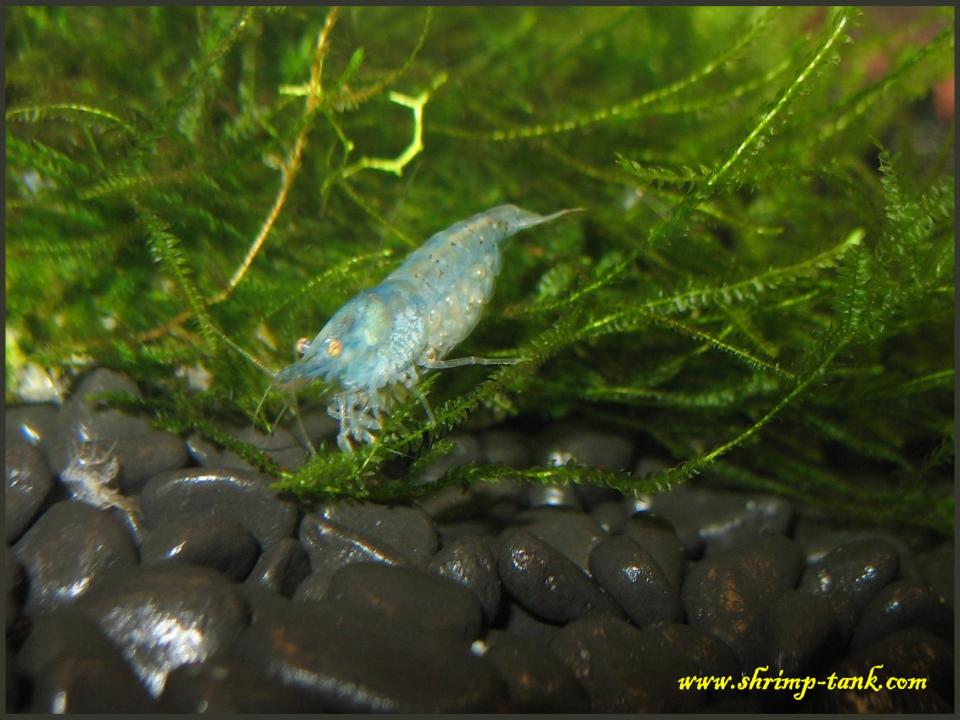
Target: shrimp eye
x=301 y=345
x=334 y=348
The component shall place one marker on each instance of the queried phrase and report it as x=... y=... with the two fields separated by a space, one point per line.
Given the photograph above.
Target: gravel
x=185 y=585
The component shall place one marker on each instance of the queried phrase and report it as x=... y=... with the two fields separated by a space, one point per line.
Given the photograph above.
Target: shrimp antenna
x=256 y=363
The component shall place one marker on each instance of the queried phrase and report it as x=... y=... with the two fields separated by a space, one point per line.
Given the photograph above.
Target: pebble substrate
x=221 y=597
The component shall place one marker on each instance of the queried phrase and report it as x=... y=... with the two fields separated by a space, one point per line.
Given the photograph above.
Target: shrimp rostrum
x=384 y=336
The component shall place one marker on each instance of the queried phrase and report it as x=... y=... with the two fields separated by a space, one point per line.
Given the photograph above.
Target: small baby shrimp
x=379 y=338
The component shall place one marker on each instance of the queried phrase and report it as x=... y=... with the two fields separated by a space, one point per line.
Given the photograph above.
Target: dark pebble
x=318 y=424
x=281 y=567
x=222 y=545
x=726 y=593
x=410 y=598
x=208 y=455
x=518 y=621
x=937 y=568
x=448 y=503
x=143 y=457
x=165 y=616
x=471 y=562
x=562 y=443
x=657 y=537
x=858 y=569
x=35 y=423
x=466 y=450
x=552 y=496
x=622 y=674
x=536 y=679
x=505 y=447
x=709 y=654
x=29 y=482
x=330 y=546
x=635 y=581
x=572 y=532
x=548 y=584
x=610 y=515
x=353 y=660
x=81 y=417
x=900 y=605
x=801 y=633
x=13 y=585
x=407 y=531
x=452 y=530
x=67 y=550
x=723 y=520
x=282 y=447
x=313 y=588
x=75 y=669
x=905 y=654
x=230 y=687
x=90 y=684
x=244 y=497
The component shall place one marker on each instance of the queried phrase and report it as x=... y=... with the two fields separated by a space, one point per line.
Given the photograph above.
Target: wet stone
x=402 y=530
x=448 y=503
x=452 y=530
x=75 y=669
x=466 y=450
x=69 y=549
x=518 y=621
x=165 y=616
x=615 y=663
x=231 y=687
x=238 y=495
x=901 y=605
x=471 y=563
x=723 y=520
x=610 y=515
x=353 y=660
x=937 y=570
x=35 y=423
x=281 y=446
x=281 y=567
x=83 y=418
x=635 y=581
x=725 y=594
x=552 y=496
x=545 y=582
x=905 y=654
x=412 y=598
x=222 y=545
x=505 y=447
x=208 y=455
x=536 y=679
x=657 y=537
x=707 y=652
x=572 y=532
x=313 y=588
x=13 y=585
x=143 y=457
x=319 y=426
x=29 y=482
x=562 y=443
x=90 y=684
x=858 y=569
x=801 y=633
x=330 y=546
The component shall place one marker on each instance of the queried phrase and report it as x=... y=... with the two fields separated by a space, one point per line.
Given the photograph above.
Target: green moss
x=762 y=284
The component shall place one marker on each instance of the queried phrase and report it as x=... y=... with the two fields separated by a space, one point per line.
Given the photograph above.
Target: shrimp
x=380 y=339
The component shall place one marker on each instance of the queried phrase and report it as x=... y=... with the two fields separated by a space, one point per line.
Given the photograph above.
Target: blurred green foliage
x=762 y=285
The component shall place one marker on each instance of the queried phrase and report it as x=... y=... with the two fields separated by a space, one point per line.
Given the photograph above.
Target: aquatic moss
x=761 y=287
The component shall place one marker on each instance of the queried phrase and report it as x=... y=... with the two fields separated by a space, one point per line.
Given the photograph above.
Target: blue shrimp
x=419 y=313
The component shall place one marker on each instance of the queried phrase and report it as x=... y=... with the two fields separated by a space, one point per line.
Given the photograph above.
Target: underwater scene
x=479 y=359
